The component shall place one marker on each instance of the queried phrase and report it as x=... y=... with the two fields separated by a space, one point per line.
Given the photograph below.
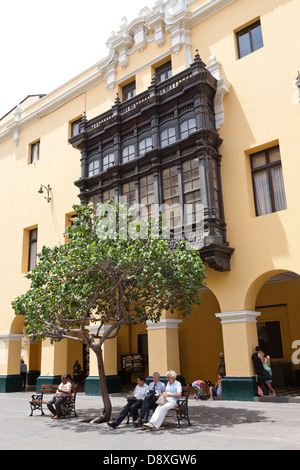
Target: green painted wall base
x=238 y=388
x=11 y=383
x=47 y=380
x=92 y=385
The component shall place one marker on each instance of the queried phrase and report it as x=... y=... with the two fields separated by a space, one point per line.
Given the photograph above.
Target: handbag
x=161 y=400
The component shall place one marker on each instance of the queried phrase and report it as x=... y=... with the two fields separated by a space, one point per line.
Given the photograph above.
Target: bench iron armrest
x=37 y=397
x=181 y=402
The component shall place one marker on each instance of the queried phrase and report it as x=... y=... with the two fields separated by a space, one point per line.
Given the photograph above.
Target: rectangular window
x=147 y=196
x=168 y=137
x=128 y=91
x=108 y=195
x=191 y=190
x=35 y=152
x=249 y=39
x=75 y=127
x=163 y=72
x=108 y=161
x=128 y=191
x=145 y=145
x=187 y=127
x=128 y=153
x=171 y=196
x=95 y=200
x=32 y=249
x=268 y=184
x=94 y=168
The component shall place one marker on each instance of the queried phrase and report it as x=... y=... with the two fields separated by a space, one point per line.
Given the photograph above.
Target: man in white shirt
x=58 y=399
x=134 y=403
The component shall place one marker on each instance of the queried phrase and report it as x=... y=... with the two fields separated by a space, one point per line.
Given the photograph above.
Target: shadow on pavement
x=203 y=419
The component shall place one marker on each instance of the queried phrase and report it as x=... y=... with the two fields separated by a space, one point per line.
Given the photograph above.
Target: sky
x=46 y=43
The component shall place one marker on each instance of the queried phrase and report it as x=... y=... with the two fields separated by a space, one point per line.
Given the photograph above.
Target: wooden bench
x=38 y=400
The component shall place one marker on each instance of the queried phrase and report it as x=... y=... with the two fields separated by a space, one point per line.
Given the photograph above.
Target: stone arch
x=278 y=302
x=256 y=285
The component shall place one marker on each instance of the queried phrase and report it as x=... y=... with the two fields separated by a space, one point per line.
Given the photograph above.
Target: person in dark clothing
x=76 y=372
x=262 y=375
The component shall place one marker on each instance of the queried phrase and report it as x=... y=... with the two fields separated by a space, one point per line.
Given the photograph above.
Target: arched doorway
x=201 y=340
x=278 y=326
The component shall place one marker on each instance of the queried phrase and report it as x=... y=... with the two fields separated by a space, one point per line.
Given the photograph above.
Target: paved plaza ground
x=220 y=425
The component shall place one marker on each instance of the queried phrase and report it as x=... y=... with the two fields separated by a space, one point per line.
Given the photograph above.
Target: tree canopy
x=115 y=274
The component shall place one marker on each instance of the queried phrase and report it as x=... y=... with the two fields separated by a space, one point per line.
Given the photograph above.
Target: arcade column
x=163 y=348
x=239 y=340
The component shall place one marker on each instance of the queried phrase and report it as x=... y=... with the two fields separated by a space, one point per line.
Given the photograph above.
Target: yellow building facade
x=250 y=50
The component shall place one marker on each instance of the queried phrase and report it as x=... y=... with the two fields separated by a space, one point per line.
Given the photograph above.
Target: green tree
x=101 y=276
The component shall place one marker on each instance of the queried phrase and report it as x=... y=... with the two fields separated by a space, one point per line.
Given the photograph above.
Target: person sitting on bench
x=63 y=391
x=133 y=403
x=156 y=388
x=172 y=393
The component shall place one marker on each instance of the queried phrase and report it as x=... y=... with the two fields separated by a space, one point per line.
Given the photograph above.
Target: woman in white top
x=172 y=393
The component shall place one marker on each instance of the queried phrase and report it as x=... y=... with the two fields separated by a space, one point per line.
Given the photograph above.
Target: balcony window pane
x=145 y=145
x=187 y=127
x=128 y=191
x=94 y=168
x=128 y=153
x=168 y=137
x=108 y=161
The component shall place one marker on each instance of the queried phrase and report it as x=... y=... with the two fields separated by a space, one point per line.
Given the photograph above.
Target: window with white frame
x=94 y=168
x=108 y=161
x=128 y=154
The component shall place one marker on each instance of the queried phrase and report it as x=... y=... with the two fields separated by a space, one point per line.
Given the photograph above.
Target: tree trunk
x=107 y=408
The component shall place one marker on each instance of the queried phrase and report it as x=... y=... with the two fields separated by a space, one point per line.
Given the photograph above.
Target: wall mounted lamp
x=48 y=189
